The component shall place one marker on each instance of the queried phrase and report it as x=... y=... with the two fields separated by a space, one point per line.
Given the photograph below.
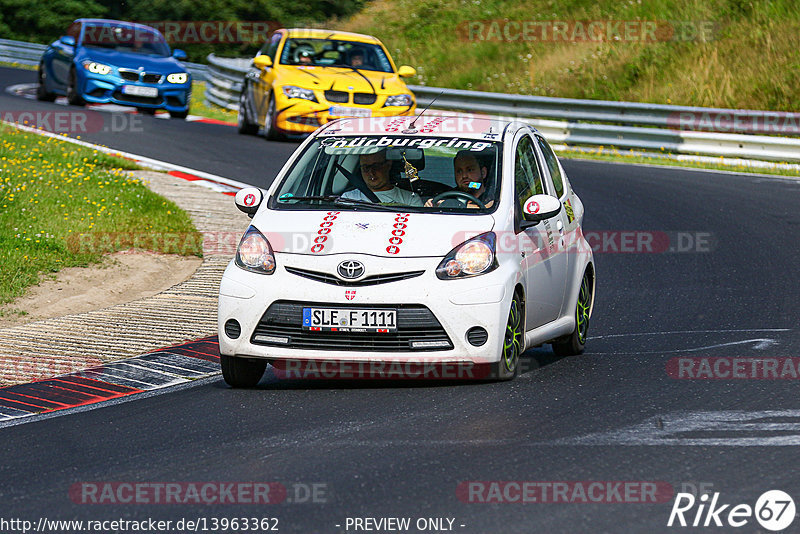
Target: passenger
x=376 y=170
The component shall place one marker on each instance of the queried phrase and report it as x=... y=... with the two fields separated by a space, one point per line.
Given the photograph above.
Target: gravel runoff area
x=186 y=311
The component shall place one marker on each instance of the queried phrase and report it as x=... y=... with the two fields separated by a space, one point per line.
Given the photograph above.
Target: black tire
x=241 y=372
x=270 y=130
x=179 y=114
x=73 y=96
x=513 y=341
x=41 y=90
x=573 y=344
x=243 y=118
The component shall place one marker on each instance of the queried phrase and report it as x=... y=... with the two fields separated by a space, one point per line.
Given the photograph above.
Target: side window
x=552 y=164
x=74 y=30
x=527 y=180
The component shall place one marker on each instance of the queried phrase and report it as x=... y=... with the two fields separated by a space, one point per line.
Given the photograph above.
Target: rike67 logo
x=774 y=510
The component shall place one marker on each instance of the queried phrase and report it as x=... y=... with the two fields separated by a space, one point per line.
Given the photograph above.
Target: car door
x=543 y=267
x=61 y=60
x=261 y=80
x=565 y=223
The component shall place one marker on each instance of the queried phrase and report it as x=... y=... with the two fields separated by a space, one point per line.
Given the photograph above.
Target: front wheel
x=270 y=130
x=513 y=340
x=41 y=89
x=243 y=120
x=241 y=372
x=73 y=96
x=573 y=344
x=179 y=114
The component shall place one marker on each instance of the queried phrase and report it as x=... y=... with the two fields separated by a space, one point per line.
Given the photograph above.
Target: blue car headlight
x=178 y=77
x=96 y=68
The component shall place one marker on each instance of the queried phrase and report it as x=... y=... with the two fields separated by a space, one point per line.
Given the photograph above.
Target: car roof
x=454 y=126
x=315 y=33
x=117 y=23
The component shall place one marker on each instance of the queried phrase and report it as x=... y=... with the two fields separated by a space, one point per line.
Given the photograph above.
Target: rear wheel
x=73 y=96
x=574 y=344
x=243 y=120
x=241 y=372
x=513 y=340
x=41 y=89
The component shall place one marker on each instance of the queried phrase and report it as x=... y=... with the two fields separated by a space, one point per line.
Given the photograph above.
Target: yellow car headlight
x=399 y=100
x=178 y=77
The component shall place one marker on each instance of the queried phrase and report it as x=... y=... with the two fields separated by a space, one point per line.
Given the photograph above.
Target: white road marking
x=729 y=429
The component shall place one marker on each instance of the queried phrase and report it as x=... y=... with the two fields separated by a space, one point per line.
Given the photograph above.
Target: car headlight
x=471 y=258
x=178 y=77
x=255 y=253
x=399 y=100
x=292 y=91
x=96 y=68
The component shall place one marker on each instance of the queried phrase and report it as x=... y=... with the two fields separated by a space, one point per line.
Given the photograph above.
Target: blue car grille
x=136 y=76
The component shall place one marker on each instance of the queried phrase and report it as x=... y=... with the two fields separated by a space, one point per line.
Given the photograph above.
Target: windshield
x=426 y=174
x=123 y=38
x=331 y=53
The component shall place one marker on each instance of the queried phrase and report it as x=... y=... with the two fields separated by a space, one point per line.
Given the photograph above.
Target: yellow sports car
x=302 y=78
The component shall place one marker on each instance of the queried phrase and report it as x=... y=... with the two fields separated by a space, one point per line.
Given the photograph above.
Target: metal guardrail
x=625 y=125
x=30 y=53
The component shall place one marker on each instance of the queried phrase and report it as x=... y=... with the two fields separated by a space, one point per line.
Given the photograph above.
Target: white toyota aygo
x=408 y=240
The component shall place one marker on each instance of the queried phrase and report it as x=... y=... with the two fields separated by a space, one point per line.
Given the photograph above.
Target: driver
x=470 y=175
x=376 y=170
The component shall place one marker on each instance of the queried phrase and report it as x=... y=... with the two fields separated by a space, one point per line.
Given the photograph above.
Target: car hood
x=387 y=234
x=342 y=79
x=160 y=65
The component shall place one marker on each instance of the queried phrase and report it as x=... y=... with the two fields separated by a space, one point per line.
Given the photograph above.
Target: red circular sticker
x=391 y=249
x=249 y=199
x=400 y=226
x=532 y=207
x=323 y=231
x=330 y=218
x=395 y=240
x=317 y=247
x=326 y=224
x=398 y=233
x=320 y=239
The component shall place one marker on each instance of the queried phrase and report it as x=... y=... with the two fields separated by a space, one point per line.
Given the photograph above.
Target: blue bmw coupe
x=109 y=61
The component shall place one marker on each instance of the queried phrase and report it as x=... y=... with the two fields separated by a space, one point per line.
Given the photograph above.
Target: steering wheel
x=461 y=195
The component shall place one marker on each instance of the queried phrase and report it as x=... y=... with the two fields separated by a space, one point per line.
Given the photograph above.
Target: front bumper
x=99 y=89
x=457 y=305
x=297 y=116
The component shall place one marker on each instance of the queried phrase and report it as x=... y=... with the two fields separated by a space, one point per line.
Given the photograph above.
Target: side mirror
x=248 y=200
x=262 y=62
x=67 y=40
x=540 y=207
x=179 y=54
x=406 y=72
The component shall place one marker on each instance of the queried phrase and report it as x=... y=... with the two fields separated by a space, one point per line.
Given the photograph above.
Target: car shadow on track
x=383 y=376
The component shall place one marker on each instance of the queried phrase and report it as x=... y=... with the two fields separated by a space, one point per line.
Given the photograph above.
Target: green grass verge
x=63 y=205
x=613 y=155
x=199 y=106
x=750 y=60
x=17 y=65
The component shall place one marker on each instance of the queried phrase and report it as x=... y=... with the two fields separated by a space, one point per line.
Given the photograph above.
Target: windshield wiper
x=328 y=198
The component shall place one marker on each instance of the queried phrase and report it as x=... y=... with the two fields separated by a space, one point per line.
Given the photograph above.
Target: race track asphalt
x=401 y=449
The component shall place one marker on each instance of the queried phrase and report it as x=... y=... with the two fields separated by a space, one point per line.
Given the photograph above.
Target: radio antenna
x=410 y=128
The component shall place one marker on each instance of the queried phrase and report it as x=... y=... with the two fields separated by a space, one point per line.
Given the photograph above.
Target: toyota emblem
x=350 y=269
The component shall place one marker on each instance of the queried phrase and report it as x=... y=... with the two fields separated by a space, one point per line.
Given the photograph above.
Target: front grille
x=336 y=96
x=136 y=99
x=414 y=323
x=364 y=98
x=97 y=93
x=151 y=78
x=130 y=75
x=367 y=281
